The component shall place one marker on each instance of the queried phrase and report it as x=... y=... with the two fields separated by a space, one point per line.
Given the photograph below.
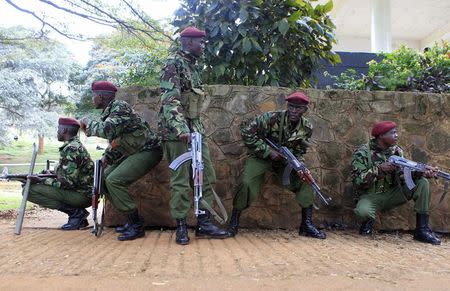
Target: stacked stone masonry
x=341 y=120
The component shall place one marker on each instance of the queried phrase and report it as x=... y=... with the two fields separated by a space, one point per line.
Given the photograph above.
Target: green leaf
x=219 y=70
x=243 y=15
x=256 y=45
x=246 y=45
x=295 y=3
x=242 y=30
x=295 y=16
x=283 y=26
x=328 y=6
x=303 y=23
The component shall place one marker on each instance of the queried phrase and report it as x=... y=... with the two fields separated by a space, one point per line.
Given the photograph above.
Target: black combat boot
x=182 y=237
x=423 y=232
x=122 y=228
x=77 y=217
x=234 y=223
x=135 y=227
x=307 y=228
x=205 y=228
x=366 y=227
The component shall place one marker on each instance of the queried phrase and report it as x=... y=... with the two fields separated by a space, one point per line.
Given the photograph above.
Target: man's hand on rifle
x=431 y=172
x=387 y=167
x=35 y=179
x=104 y=162
x=275 y=156
x=185 y=137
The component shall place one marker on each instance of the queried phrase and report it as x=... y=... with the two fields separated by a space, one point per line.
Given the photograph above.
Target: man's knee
x=364 y=210
x=112 y=180
x=423 y=183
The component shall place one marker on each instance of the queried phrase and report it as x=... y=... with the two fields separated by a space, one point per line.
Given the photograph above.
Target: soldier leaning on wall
x=287 y=128
x=381 y=186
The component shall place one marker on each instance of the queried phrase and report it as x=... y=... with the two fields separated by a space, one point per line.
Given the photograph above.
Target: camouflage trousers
x=369 y=204
x=253 y=178
x=181 y=181
x=119 y=176
x=53 y=198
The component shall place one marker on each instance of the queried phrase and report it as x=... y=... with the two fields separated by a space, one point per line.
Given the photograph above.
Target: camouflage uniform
x=72 y=186
x=379 y=191
x=182 y=98
x=133 y=151
x=276 y=127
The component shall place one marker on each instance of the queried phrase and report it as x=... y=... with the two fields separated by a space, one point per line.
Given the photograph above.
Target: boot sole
x=427 y=242
x=310 y=235
x=207 y=236
x=125 y=239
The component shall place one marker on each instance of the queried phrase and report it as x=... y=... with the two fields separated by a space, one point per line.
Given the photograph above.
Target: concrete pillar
x=381 y=26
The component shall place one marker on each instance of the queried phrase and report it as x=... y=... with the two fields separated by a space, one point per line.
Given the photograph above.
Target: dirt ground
x=45 y=258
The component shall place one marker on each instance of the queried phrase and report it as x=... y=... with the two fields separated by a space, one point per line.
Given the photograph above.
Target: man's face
x=97 y=100
x=295 y=111
x=197 y=46
x=390 y=138
x=60 y=133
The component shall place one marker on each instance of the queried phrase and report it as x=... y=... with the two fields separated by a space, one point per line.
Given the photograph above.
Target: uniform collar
x=293 y=132
x=375 y=147
x=187 y=55
x=67 y=142
x=107 y=110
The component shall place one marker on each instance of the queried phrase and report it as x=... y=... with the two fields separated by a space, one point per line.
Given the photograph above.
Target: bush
x=403 y=70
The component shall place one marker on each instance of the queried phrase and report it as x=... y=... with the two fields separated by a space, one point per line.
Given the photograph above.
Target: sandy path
x=45 y=258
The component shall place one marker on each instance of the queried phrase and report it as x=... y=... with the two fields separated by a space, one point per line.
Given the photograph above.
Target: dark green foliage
x=403 y=70
x=269 y=42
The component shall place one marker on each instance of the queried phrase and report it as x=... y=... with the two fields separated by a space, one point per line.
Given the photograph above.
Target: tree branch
x=41 y=20
x=135 y=12
x=11 y=111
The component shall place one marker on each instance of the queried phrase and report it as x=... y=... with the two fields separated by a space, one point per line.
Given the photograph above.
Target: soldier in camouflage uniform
x=288 y=128
x=70 y=191
x=133 y=151
x=381 y=186
x=181 y=102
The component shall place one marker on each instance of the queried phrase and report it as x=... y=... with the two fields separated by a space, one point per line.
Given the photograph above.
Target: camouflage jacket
x=180 y=79
x=75 y=170
x=123 y=128
x=365 y=173
x=275 y=125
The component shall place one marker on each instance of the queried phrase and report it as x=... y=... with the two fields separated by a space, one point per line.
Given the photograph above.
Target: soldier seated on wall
x=381 y=185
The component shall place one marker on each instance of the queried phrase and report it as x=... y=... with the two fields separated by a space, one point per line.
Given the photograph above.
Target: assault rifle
x=21 y=177
x=194 y=154
x=300 y=169
x=408 y=166
x=97 y=195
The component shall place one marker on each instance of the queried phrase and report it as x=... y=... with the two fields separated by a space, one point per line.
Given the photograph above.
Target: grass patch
x=19 y=152
x=11 y=196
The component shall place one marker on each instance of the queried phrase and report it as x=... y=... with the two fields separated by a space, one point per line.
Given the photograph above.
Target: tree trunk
x=41 y=144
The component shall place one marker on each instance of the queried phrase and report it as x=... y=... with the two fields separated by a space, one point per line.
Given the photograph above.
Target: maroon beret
x=68 y=121
x=192 y=32
x=297 y=98
x=104 y=86
x=382 y=127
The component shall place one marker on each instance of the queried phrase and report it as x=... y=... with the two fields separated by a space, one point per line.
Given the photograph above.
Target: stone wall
x=341 y=120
